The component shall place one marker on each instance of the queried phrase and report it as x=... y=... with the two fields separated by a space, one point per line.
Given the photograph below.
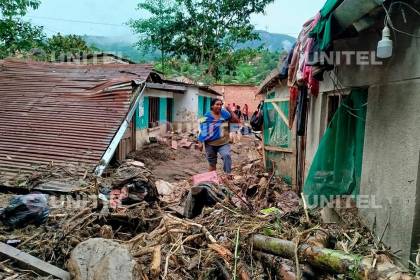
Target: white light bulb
x=385 y=45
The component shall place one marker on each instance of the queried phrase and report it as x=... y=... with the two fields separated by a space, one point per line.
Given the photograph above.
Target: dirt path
x=175 y=165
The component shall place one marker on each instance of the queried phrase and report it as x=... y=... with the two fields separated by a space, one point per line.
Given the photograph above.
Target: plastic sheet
x=26 y=209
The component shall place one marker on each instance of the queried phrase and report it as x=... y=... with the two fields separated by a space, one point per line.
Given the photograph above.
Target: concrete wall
x=158 y=93
x=186 y=109
x=186 y=105
x=392 y=141
x=316 y=126
x=281 y=91
x=391 y=163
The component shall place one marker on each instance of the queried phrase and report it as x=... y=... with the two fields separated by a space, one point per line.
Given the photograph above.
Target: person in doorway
x=245 y=112
x=214 y=133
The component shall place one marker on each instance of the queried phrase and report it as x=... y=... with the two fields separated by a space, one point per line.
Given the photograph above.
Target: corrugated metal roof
x=63 y=113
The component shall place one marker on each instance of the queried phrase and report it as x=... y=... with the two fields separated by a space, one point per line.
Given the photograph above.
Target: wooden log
x=334 y=261
x=156 y=261
x=273 y=263
x=32 y=262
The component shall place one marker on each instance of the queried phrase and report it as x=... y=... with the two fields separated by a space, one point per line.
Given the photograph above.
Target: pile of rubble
x=131 y=225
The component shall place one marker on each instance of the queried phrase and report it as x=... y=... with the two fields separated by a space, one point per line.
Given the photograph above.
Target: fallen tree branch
x=334 y=261
x=305 y=208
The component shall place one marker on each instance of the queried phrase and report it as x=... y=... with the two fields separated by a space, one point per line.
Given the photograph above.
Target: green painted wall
x=163 y=114
x=200 y=106
x=143 y=122
x=208 y=104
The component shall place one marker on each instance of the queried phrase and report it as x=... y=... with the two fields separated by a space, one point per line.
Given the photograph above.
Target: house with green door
x=171 y=106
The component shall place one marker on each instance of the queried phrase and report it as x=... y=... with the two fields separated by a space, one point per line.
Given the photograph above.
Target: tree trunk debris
x=149 y=236
x=335 y=261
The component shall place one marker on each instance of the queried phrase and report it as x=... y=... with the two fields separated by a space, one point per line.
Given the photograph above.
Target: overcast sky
x=107 y=17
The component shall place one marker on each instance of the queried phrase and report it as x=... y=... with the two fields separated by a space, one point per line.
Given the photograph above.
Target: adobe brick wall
x=240 y=95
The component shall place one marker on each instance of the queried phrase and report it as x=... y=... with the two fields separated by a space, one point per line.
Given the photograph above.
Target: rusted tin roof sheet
x=65 y=114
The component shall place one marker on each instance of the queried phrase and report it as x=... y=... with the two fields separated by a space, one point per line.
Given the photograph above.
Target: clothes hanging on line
x=302 y=106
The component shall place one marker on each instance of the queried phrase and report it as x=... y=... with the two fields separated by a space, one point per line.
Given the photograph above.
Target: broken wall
x=186 y=107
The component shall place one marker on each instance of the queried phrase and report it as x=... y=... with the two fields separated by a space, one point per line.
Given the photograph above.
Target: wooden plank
x=293 y=161
x=58 y=187
x=166 y=87
x=282 y=115
x=36 y=264
x=277 y=149
x=272 y=100
x=263 y=150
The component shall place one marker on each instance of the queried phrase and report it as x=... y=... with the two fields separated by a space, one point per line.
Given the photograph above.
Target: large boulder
x=102 y=259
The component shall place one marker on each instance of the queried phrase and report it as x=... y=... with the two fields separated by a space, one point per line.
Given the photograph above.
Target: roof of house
x=66 y=114
x=104 y=54
x=234 y=85
x=205 y=88
x=271 y=81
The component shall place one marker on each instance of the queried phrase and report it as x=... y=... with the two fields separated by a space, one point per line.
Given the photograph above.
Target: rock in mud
x=102 y=259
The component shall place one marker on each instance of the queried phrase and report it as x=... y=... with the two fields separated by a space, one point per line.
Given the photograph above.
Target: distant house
x=171 y=106
x=239 y=95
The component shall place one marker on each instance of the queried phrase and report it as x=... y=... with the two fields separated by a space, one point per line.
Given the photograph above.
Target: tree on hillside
x=157 y=31
x=245 y=66
x=17 y=35
x=64 y=47
x=203 y=31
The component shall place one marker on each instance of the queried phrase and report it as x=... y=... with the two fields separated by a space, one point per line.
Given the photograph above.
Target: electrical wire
x=77 y=21
x=388 y=17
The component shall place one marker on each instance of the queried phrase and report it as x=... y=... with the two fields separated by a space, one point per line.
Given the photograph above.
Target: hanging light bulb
x=385 y=45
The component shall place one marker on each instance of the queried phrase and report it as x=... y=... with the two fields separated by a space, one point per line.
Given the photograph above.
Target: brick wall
x=240 y=95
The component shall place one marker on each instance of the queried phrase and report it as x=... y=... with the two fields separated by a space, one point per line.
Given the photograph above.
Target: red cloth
x=313 y=84
x=302 y=72
x=206 y=177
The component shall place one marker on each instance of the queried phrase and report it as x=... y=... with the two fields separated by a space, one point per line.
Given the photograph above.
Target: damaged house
x=349 y=124
x=85 y=115
x=65 y=114
x=171 y=106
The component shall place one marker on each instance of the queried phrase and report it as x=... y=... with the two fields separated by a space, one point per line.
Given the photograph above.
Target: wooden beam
x=272 y=100
x=33 y=263
x=277 y=149
x=166 y=87
x=286 y=120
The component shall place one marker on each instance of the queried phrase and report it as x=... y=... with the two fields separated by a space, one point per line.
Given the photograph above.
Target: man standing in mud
x=214 y=133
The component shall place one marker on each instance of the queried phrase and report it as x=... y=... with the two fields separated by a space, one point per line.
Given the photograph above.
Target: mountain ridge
x=124 y=46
